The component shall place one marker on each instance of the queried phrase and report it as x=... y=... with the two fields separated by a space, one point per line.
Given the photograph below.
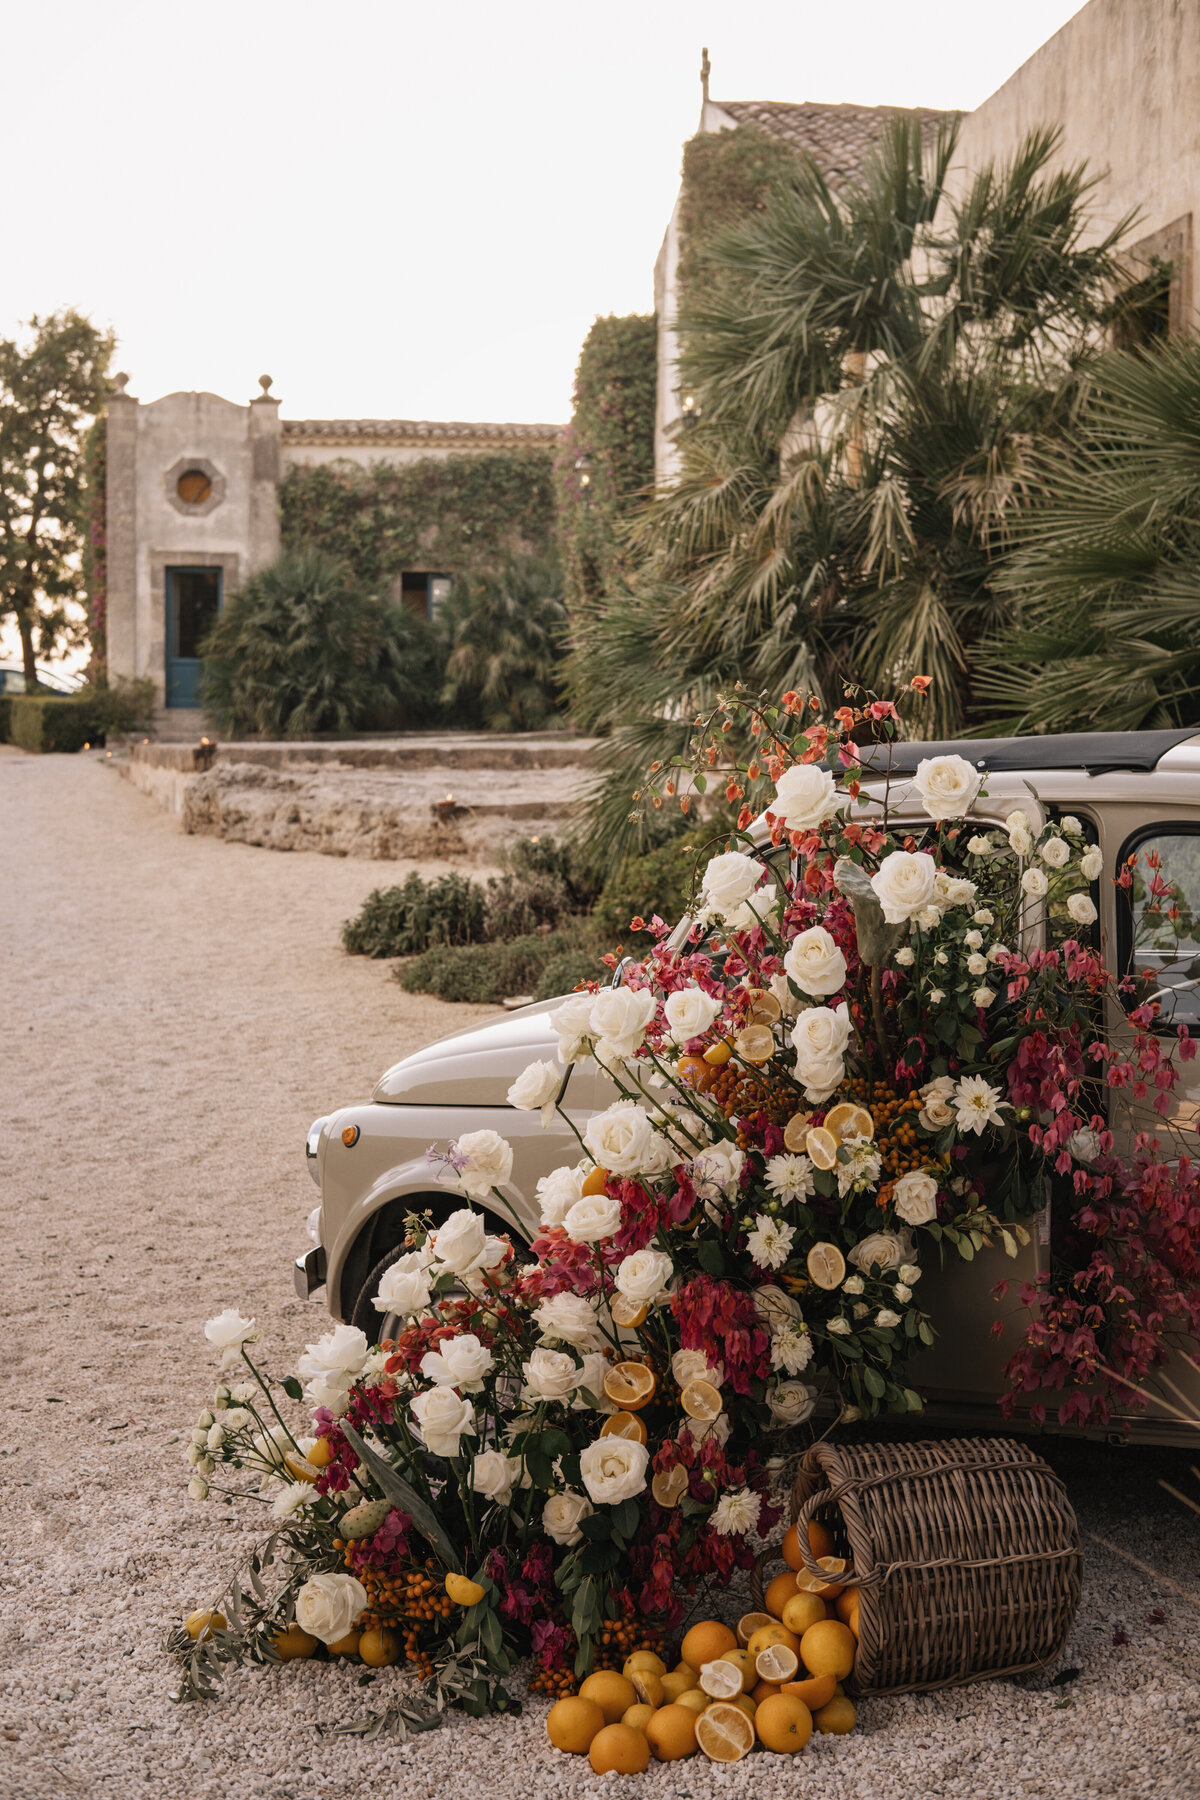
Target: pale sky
x=405 y=210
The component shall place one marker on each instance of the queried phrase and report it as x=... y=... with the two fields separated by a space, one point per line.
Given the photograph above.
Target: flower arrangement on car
x=847 y=1060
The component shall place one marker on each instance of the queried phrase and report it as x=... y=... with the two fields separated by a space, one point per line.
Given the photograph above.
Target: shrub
x=5 y=701
x=490 y=973
x=403 y=921
x=506 y=641
x=302 y=649
x=563 y=974
x=49 y=722
x=538 y=856
x=119 y=706
x=656 y=881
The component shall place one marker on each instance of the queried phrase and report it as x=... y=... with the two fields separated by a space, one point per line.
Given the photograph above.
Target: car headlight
x=312 y=1144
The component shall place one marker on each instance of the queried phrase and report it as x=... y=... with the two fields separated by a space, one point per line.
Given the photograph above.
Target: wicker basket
x=965 y=1554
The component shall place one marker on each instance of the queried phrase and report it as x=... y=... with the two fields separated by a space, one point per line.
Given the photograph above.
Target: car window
x=1162 y=928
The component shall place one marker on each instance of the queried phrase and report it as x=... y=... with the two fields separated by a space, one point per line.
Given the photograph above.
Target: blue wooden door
x=193 y=607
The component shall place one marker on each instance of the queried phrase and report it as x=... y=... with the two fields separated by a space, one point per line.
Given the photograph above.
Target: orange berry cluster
x=407 y=1601
x=742 y=1095
x=901 y=1145
x=619 y=1638
x=557 y=1683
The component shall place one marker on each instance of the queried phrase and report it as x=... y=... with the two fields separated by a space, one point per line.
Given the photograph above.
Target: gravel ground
x=177 y=1009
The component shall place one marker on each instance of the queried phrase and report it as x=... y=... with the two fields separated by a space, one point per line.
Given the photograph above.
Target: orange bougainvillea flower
x=921 y=684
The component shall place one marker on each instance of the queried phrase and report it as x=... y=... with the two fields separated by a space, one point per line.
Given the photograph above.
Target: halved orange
x=846 y=1120
x=700 y=1400
x=778 y=1662
x=822 y=1147
x=630 y=1385
x=795 y=1132
x=756 y=1044
x=826 y=1587
x=717 y=1055
x=627 y=1312
x=300 y=1467
x=624 y=1425
x=669 y=1485
x=751 y=1622
x=763 y=1008
x=724 y=1733
x=816 y=1691
x=826 y=1265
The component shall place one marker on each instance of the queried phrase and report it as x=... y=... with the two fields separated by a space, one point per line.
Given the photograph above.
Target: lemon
x=203 y=1624
x=778 y=1662
x=756 y=1044
x=643 y=1659
x=822 y=1147
x=462 y=1591
x=826 y=1265
x=795 y=1132
x=751 y=1622
x=694 y=1697
x=846 y=1121
x=627 y=1312
x=624 y=1425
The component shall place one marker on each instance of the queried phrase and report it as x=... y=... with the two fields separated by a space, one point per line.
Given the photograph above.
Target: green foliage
x=871 y=391
x=506 y=642
x=535 y=858
x=94 y=530
x=1105 y=576
x=648 y=882
x=402 y=921
x=43 y=722
x=50 y=385
x=5 y=718
x=119 y=706
x=612 y=429
x=727 y=175
x=303 y=648
x=459 y=514
x=490 y=973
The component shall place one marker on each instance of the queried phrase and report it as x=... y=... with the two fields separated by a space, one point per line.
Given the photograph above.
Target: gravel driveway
x=176 y=1011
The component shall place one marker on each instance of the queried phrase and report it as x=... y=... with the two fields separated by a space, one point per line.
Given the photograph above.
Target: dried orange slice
x=826 y=1266
x=721 y=1679
x=846 y=1120
x=795 y=1132
x=627 y=1312
x=749 y=1623
x=724 y=1733
x=756 y=1044
x=778 y=1662
x=700 y=1400
x=630 y=1385
x=763 y=1008
x=822 y=1147
x=669 y=1485
x=624 y=1425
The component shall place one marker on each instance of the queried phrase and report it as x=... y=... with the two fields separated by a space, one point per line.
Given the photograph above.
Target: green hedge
x=612 y=427
x=490 y=973
x=42 y=722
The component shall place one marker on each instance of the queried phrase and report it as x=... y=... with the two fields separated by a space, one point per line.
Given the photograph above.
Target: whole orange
x=837 y=1717
x=783 y=1723
x=671 y=1733
x=379 y=1648
x=613 y=1693
x=619 y=1749
x=573 y=1723
x=779 y=1592
x=828 y=1648
x=293 y=1643
x=707 y=1641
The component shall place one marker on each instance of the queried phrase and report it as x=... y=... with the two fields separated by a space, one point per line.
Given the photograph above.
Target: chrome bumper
x=309 y=1271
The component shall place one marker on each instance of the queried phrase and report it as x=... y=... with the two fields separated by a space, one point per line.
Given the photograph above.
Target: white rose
x=902 y=1292
x=690 y=1012
x=1092 y=863
x=815 y=963
x=1084 y=1144
x=979 y=845
x=643 y=1276
x=488 y=1164
x=341 y=1351
x=821 y=1032
x=1071 y=825
x=805 y=797
x=536 y=1089
x=1055 y=853
x=458 y=1362
x=1017 y=821
x=228 y=1332
x=620 y=1017
x=1081 y=909
x=909 y=1272
x=821 y=1079
x=328 y=1605
x=572 y=1022
x=619 y=1140
x=775 y=1307
x=839 y=1326
x=549 y=1375
x=557 y=1193
x=915 y=1198
x=494 y=1475
x=694 y=1365
x=952 y=890
x=460 y=1242
x=936 y=1111
x=404 y=1288
x=568 y=1319
x=561 y=1515
x=883 y=1249
x=984 y=917
x=906 y=957
x=594 y=1217
x=904 y=885
x=729 y=880
x=853 y=1285
x=1034 y=883
x=997 y=951
x=973 y=940
x=716 y=1171
x=983 y=997
x=791 y=1402
x=1021 y=841
x=886 y=1319
x=613 y=1469
x=443 y=1417
x=947 y=786
x=976 y=964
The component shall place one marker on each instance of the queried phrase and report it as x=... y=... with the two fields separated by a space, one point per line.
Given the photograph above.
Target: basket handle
x=811 y=1507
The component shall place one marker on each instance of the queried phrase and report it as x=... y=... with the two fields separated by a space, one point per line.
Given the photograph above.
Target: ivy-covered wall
x=726 y=174
x=95 y=542
x=612 y=427
x=458 y=514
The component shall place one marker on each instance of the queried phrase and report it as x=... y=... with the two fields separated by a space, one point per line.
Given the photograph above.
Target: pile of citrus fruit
x=771 y=1682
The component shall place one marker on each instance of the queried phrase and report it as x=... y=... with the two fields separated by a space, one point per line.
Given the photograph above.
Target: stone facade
x=193 y=486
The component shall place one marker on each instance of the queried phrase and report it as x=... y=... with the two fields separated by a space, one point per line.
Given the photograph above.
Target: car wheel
x=377 y=1325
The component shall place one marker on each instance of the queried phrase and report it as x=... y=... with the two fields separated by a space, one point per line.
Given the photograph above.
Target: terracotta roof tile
x=398 y=432
x=838 y=138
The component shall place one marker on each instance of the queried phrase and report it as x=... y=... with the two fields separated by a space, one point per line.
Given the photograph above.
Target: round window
x=194 y=487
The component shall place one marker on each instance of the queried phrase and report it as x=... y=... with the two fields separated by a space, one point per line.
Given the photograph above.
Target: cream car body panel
x=460 y=1084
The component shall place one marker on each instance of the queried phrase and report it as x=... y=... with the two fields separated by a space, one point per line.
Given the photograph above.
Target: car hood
x=474 y=1067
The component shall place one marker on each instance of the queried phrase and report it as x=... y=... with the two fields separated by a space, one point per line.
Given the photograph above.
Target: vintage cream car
x=1133 y=791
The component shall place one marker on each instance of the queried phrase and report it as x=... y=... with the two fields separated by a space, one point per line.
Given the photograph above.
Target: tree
x=506 y=640
x=300 y=648
x=1105 y=574
x=50 y=386
x=872 y=371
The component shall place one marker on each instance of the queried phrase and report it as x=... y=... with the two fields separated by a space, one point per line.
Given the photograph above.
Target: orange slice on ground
x=700 y=1400
x=778 y=1662
x=846 y=1120
x=751 y=1622
x=669 y=1485
x=795 y=1132
x=756 y=1044
x=826 y=1266
x=627 y=1312
x=629 y=1385
x=822 y=1147
x=624 y=1425
x=724 y=1733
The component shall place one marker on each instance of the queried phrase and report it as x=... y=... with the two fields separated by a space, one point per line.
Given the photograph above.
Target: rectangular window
x=422 y=592
x=1161 y=923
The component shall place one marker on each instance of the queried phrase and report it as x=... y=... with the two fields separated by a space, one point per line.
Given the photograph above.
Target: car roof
x=1095 y=751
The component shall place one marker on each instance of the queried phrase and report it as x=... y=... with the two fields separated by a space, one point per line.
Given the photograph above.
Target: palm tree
x=1105 y=576
x=872 y=371
x=506 y=633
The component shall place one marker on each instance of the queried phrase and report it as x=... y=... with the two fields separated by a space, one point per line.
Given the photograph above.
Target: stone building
x=1120 y=78
x=193 y=508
